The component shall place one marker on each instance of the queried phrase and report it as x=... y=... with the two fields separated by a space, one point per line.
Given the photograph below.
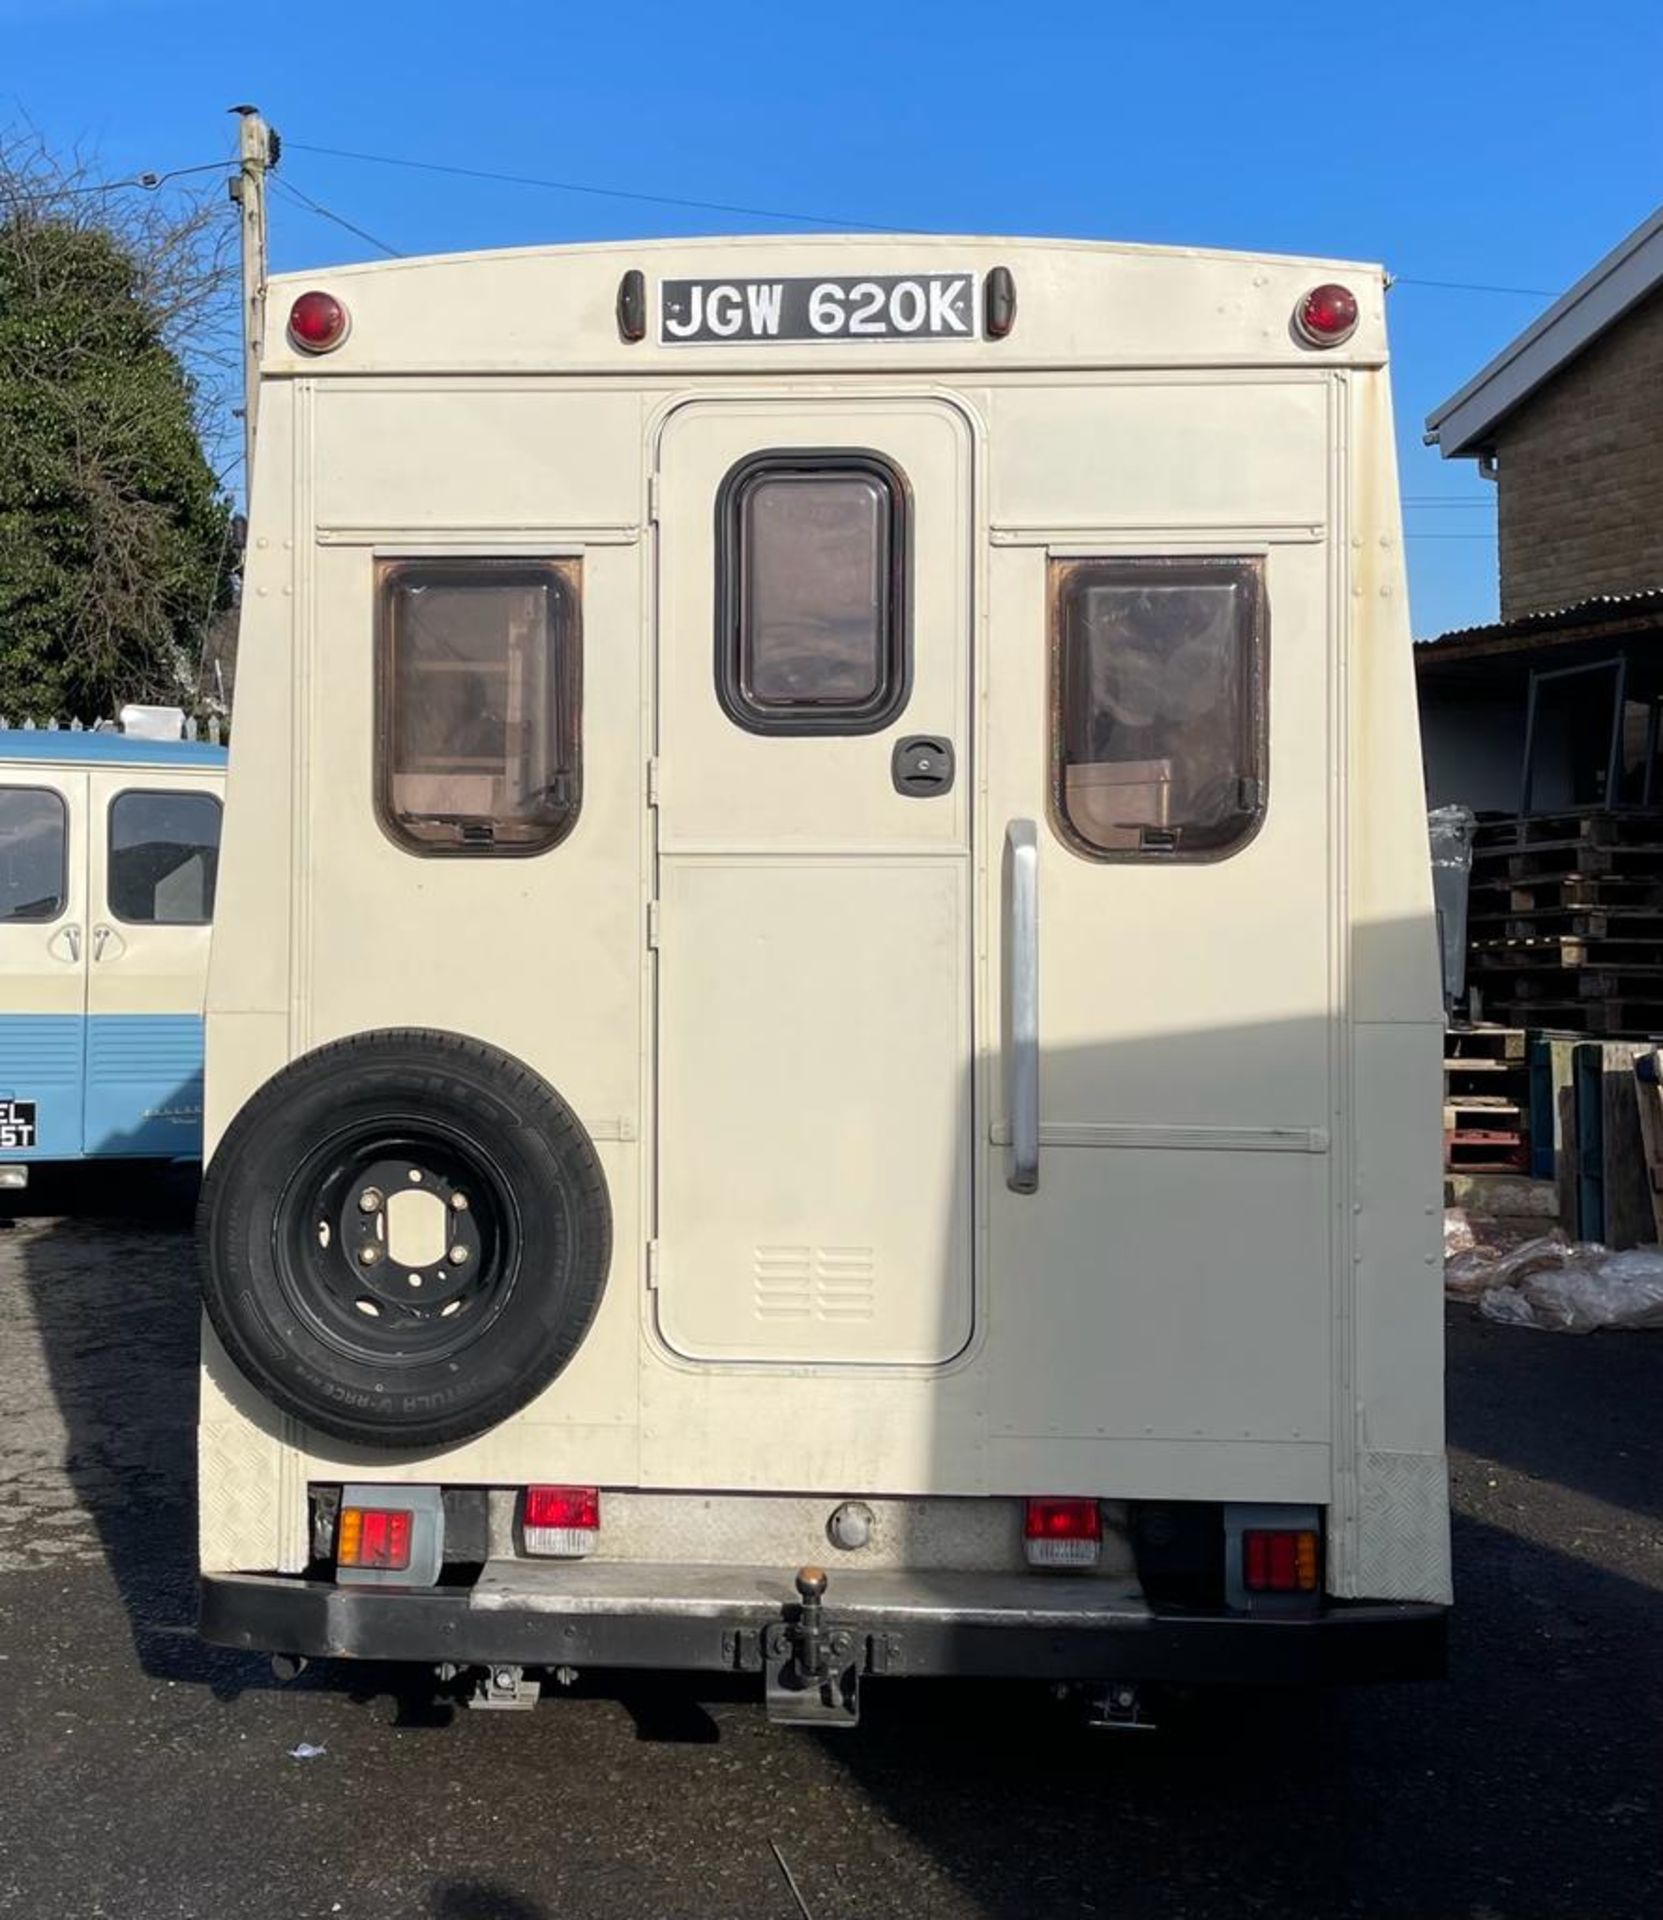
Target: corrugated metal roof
x=1463 y=425
x=1600 y=609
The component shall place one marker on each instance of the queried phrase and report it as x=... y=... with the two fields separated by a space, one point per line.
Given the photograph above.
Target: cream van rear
x=824 y=1021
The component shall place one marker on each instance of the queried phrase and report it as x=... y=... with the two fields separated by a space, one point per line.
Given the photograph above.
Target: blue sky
x=1499 y=144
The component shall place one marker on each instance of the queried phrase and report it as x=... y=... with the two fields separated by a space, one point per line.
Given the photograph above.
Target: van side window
x=34 y=846
x=478 y=689
x=1158 y=706
x=164 y=858
x=811 y=623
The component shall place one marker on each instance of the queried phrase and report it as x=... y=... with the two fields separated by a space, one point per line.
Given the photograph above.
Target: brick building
x=1557 y=705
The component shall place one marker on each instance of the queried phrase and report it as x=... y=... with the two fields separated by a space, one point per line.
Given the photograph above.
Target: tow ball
x=812 y=1675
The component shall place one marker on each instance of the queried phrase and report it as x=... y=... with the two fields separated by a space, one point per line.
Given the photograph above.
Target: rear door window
x=479 y=747
x=1158 y=706
x=812 y=616
x=163 y=858
x=34 y=849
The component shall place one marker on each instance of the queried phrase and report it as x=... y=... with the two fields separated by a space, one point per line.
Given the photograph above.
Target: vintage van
x=109 y=852
x=824 y=1034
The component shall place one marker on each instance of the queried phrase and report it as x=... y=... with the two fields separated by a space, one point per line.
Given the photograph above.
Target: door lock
x=922 y=766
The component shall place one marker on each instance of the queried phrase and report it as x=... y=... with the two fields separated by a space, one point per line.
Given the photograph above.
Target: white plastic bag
x=1481 y=1268
x=1612 y=1290
x=1561 y=1287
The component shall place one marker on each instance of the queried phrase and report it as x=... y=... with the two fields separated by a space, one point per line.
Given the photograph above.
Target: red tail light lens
x=1062 y=1533
x=1326 y=316
x=561 y=1521
x=374 y=1537
x=317 y=323
x=1278 y=1562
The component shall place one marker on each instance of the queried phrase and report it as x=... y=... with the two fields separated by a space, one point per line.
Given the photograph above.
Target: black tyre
x=404 y=1237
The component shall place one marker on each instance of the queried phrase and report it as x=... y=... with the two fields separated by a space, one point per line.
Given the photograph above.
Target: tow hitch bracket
x=811 y=1667
x=505 y=1688
x=1118 y=1706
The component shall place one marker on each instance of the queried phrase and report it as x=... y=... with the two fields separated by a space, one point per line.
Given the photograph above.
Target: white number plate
x=885 y=306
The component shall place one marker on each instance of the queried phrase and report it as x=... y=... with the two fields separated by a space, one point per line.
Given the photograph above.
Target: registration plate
x=882 y=306
x=17 y=1124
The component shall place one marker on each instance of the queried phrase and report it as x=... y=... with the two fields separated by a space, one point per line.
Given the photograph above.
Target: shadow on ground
x=1528 y=1784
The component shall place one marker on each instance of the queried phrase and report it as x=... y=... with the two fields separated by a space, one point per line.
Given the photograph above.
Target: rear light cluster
x=374 y=1537
x=1063 y=1533
x=1277 y=1561
x=562 y=1522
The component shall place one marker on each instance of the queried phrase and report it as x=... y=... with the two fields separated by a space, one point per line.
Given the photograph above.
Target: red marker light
x=564 y=1521
x=1326 y=316
x=1062 y=1533
x=317 y=323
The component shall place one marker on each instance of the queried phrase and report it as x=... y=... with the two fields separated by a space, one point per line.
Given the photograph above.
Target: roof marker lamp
x=1326 y=317
x=318 y=323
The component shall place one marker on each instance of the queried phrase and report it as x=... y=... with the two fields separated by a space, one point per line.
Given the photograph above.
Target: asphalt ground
x=143 y=1774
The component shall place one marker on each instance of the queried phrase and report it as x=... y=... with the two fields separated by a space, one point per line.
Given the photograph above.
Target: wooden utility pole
x=260 y=147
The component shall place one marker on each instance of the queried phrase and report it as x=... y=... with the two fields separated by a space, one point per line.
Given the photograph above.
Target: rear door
x=43 y=977
x=813 y=919
x=1159 y=767
x=155 y=860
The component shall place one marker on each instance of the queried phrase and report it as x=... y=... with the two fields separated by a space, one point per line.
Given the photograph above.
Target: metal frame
x=1539 y=676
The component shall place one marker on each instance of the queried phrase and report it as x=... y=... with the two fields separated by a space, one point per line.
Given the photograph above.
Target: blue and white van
x=109 y=853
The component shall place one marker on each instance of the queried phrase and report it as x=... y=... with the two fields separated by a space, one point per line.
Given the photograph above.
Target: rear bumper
x=903 y=1625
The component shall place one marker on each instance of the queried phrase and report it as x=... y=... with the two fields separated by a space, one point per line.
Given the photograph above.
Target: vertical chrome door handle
x=71 y=938
x=1020 y=1043
x=107 y=944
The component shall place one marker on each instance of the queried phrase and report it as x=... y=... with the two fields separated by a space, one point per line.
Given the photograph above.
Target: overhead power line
x=149 y=182
x=1473 y=286
x=293 y=192
x=605 y=193
x=794 y=215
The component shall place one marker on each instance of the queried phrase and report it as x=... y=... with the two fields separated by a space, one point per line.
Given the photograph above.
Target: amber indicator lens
x=1278 y=1562
x=374 y=1537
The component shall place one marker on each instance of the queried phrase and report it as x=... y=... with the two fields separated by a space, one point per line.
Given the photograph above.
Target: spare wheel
x=404 y=1237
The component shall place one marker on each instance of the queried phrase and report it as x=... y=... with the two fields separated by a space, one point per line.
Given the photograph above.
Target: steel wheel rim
x=376 y=1315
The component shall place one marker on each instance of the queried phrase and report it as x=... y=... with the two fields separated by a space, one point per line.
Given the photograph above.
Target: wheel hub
x=407 y=1233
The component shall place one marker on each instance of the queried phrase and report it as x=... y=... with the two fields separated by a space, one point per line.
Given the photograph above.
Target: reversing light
x=1062 y=1533
x=561 y=1521
x=317 y=323
x=1277 y=1561
x=374 y=1537
x=1326 y=316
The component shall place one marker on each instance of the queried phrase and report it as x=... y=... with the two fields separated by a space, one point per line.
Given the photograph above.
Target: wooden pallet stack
x=1486 y=1100
x=1565 y=921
